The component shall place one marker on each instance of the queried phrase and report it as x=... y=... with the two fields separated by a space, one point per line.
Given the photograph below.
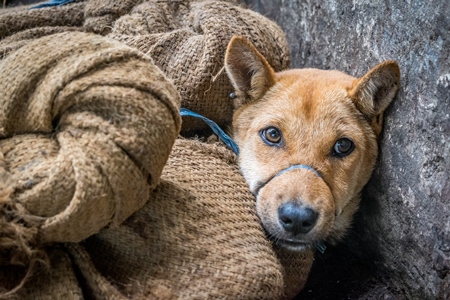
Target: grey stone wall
x=403 y=230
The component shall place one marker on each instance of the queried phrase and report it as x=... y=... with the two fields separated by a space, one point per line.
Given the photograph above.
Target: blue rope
x=321 y=247
x=52 y=3
x=215 y=128
x=293 y=167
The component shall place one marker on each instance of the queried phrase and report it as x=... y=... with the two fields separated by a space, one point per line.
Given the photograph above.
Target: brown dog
x=308 y=142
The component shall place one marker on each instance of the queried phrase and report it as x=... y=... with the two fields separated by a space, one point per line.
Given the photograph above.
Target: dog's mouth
x=290 y=244
x=299 y=246
x=293 y=245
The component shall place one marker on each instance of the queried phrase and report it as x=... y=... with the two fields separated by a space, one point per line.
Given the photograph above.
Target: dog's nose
x=296 y=218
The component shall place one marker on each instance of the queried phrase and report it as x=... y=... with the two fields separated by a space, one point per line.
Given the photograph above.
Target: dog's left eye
x=343 y=147
x=271 y=136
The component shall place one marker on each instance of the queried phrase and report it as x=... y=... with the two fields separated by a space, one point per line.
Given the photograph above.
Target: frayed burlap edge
x=18 y=236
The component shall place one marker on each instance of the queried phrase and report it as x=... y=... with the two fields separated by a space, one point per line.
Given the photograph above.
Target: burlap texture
x=198 y=237
x=186 y=39
x=188 y=42
x=86 y=126
x=101 y=14
x=57 y=281
x=23 y=19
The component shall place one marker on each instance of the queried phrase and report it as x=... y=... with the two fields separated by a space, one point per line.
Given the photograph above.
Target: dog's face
x=308 y=142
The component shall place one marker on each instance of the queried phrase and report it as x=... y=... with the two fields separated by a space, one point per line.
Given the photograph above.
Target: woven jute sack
x=56 y=279
x=86 y=127
x=21 y=25
x=188 y=39
x=198 y=237
x=23 y=18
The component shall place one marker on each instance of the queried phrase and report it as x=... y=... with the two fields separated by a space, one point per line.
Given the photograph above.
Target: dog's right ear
x=249 y=72
x=373 y=92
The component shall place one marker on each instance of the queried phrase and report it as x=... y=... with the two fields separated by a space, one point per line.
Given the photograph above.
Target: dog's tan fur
x=313 y=109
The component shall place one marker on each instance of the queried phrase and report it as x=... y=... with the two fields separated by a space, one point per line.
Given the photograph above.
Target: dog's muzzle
x=320 y=246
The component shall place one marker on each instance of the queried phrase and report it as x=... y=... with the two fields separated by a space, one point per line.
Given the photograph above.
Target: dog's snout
x=296 y=218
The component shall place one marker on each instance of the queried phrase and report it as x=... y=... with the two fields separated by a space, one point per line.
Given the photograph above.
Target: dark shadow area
x=12 y=3
x=339 y=274
x=349 y=270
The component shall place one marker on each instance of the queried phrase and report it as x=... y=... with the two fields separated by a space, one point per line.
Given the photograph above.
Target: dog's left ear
x=249 y=72
x=373 y=92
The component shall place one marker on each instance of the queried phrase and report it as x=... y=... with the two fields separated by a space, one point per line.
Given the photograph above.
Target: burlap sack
x=57 y=280
x=198 y=237
x=21 y=25
x=20 y=19
x=101 y=14
x=187 y=41
x=86 y=126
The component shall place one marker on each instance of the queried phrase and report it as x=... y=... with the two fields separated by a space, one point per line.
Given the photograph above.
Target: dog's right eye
x=271 y=136
x=343 y=147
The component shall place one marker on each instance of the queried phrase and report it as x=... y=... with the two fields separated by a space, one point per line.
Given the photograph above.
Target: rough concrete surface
x=403 y=231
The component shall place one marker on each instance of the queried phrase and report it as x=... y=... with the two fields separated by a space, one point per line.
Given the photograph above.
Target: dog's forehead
x=312 y=92
x=314 y=82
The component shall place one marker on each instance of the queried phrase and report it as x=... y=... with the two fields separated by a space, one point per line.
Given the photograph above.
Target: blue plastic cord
x=215 y=128
x=321 y=247
x=52 y=3
x=298 y=167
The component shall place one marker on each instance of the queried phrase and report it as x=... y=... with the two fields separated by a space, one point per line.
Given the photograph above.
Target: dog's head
x=308 y=141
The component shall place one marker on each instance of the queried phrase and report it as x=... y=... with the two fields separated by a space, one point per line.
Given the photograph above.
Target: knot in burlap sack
x=188 y=40
x=198 y=237
x=86 y=126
